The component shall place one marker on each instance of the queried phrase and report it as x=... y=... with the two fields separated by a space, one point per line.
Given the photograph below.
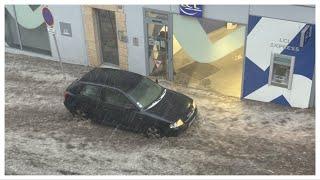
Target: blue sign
x=191 y=10
x=47 y=16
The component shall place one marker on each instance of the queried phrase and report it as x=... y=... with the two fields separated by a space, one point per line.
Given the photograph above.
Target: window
x=114 y=97
x=26 y=29
x=204 y=61
x=281 y=70
x=11 y=29
x=146 y=92
x=91 y=91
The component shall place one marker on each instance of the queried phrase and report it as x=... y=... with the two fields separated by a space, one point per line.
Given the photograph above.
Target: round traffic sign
x=47 y=16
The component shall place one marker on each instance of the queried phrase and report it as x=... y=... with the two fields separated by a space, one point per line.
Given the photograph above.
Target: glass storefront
x=208 y=54
x=25 y=29
x=199 y=52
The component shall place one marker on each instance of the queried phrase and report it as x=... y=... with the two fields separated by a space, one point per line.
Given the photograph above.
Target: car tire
x=153 y=132
x=82 y=115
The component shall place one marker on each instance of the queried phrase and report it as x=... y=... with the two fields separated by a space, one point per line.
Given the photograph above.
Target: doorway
x=158 y=33
x=108 y=37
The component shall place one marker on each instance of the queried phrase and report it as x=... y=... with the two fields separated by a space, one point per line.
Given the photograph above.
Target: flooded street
x=229 y=137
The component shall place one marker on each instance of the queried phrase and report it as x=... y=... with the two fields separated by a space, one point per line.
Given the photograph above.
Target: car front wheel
x=153 y=132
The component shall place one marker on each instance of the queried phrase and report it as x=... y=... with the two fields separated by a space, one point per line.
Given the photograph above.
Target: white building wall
x=232 y=13
x=72 y=49
x=136 y=54
x=297 y=13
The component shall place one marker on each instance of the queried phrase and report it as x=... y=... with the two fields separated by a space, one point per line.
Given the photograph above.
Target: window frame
x=271 y=70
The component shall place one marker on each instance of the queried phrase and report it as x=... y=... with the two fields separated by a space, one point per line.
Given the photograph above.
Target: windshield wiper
x=158 y=100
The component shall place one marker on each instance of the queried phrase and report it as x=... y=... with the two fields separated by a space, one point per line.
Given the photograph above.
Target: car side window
x=91 y=91
x=114 y=97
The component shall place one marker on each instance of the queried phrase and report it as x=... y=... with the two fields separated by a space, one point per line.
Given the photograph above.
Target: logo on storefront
x=283 y=43
x=191 y=10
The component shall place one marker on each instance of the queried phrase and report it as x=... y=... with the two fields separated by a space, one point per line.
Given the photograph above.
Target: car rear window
x=91 y=91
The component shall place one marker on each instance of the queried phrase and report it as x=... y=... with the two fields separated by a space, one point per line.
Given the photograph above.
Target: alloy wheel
x=81 y=114
x=153 y=132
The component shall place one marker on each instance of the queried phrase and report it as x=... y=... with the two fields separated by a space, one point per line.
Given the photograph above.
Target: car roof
x=121 y=79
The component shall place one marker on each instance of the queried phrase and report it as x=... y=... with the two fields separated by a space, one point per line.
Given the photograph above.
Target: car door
x=116 y=109
x=88 y=99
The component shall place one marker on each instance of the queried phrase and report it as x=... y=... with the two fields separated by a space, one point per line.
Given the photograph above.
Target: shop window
x=157 y=34
x=35 y=40
x=25 y=29
x=208 y=54
x=11 y=31
x=281 y=70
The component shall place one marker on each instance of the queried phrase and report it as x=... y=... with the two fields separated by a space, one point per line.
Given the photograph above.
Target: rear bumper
x=179 y=130
x=70 y=105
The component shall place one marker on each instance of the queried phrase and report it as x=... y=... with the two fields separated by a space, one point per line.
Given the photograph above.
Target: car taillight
x=66 y=94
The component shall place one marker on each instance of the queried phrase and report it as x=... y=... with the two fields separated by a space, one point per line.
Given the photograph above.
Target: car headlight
x=177 y=124
x=194 y=104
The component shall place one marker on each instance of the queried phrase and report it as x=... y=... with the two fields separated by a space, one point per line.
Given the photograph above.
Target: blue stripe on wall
x=254 y=77
x=281 y=100
x=305 y=58
x=253 y=21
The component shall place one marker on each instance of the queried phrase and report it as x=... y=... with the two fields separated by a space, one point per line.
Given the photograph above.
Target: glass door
x=158 y=44
x=158 y=49
x=108 y=36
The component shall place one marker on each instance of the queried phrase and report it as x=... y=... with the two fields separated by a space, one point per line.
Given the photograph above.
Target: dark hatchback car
x=130 y=101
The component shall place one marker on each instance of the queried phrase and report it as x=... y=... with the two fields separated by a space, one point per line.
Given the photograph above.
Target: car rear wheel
x=82 y=115
x=153 y=132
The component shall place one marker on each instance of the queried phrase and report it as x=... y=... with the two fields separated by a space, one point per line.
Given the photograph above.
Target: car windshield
x=145 y=92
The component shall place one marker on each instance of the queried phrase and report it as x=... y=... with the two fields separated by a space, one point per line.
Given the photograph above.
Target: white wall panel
x=304 y=14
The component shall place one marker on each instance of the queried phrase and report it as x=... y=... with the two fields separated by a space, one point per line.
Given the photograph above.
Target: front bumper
x=187 y=124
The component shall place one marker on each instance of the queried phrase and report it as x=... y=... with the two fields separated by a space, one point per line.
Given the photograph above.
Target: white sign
x=191 y=10
x=51 y=30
